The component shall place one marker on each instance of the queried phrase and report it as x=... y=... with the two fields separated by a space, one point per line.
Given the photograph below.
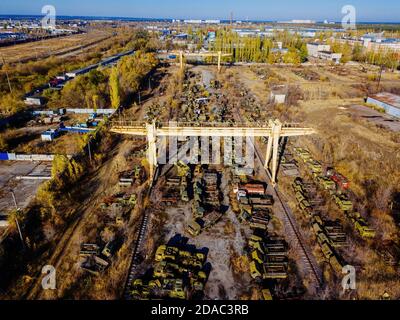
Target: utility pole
x=380 y=78
x=16 y=219
x=8 y=78
x=90 y=151
x=181 y=59
x=219 y=61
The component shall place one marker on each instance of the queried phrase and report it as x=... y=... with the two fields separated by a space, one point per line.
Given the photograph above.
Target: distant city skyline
x=267 y=10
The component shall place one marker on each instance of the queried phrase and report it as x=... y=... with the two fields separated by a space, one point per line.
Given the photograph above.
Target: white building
x=315 y=48
x=323 y=52
x=193 y=21
x=330 y=56
x=34 y=101
x=278 y=94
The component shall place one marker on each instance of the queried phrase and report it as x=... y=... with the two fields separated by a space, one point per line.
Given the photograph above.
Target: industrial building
x=323 y=52
x=315 y=48
x=49 y=135
x=388 y=101
x=34 y=101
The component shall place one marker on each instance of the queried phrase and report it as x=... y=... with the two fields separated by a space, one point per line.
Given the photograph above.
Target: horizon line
x=188 y=18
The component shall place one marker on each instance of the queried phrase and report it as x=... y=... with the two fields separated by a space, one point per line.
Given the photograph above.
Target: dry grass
x=42 y=48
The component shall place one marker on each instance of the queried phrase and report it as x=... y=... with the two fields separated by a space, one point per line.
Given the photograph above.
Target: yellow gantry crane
x=218 y=54
x=275 y=130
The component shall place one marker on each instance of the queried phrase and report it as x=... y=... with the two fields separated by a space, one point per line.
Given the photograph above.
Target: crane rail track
x=141 y=233
x=311 y=265
x=294 y=235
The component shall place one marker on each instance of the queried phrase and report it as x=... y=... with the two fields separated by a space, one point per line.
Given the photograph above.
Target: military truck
x=363 y=229
x=267 y=271
x=88 y=249
x=343 y=202
x=315 y=166
x=389 y=251
x=266 y=295
x=326 y=183
x=182 y=168
x=261 y=201
x=196 y=226
x=331 y=257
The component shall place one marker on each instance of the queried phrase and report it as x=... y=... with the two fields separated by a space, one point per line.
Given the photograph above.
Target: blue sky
x=367 y=10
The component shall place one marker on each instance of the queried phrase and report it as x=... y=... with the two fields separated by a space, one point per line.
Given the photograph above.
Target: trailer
x=340 y=180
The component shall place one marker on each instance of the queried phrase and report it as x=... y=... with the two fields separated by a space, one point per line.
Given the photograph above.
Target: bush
x=3 y=143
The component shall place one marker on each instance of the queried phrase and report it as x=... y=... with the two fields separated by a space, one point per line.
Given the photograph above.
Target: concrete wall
x=26 y=157
x=390 y=110
x=89 y=111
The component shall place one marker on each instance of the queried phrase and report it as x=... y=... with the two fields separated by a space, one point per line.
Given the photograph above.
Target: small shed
x=49 y=135
x=279 y=94
x=34 y=101
x=3 y=220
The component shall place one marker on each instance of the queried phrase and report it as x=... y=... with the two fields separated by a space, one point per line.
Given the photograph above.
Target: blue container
x=3 y=156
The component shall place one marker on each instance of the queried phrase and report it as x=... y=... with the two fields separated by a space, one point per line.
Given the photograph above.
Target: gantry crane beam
x=274 y=131
x=218 y=54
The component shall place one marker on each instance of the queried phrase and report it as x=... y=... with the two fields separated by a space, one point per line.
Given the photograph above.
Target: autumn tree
x=292 y=56
x=133 y=69
x=115 y=95
x=3 y=143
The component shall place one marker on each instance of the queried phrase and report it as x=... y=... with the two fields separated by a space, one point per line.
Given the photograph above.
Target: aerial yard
x=171 y=208
x=100 y=175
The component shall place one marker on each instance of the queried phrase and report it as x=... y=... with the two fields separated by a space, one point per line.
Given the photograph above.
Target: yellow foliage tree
x=115 y=94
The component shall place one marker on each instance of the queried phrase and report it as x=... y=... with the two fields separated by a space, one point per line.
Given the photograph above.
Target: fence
x=89 y=111
x=26 y=157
